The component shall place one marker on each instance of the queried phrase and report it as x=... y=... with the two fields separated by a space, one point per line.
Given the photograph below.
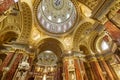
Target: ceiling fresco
x=56 y=16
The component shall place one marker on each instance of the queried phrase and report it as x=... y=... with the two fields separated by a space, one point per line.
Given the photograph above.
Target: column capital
x=99 y=56
x=91 y=58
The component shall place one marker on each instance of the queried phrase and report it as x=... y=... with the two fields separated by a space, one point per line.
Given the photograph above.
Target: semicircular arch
x=51 y=44
x=79 y=32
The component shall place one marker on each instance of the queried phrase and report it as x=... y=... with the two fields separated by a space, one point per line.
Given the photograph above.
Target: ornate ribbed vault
x=78 y=32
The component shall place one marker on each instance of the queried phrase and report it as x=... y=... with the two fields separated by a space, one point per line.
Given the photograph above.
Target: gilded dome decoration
x=56 y=16
x=59 y=39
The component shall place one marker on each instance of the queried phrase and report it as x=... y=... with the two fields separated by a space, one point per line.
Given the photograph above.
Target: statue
x=23 y=67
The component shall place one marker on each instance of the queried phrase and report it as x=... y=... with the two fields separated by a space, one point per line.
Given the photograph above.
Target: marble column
x=13 y=68
x=73 y=68
x=78 y=69
x=88 y=71
x=5 y=64
x=83 y=71
x=6 y=61
x=65 y=70
x=113 y=31
x=105 y=69
x=111 y=69
x=95 y=67
x=58 y=74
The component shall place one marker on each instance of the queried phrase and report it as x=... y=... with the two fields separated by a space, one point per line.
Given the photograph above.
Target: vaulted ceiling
x=79 y=23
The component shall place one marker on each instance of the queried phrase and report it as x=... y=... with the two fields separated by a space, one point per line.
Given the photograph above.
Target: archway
x=5 y=38
x=84 y=49
x=86 y=69
x=8 y=37
x=2 y=57
x=48 y=59
x=80 y=33
x=52 y=45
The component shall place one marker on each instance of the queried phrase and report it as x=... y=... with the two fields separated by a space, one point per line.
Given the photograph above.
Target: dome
x=56 y=16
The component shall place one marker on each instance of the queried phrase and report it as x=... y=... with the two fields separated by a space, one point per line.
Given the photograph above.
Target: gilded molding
x=26 y=23
x=79 y=31
x=91 y=43
x=114 y=9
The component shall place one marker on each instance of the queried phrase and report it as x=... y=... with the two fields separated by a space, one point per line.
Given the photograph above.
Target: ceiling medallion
x=58 y=4
x=56 y=16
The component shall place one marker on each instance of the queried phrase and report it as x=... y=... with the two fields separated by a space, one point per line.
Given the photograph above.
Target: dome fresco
x=47 y=58
x=56 y=16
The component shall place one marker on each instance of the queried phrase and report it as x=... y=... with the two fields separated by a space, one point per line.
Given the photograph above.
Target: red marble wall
x=14 y=66
x=88 y=71
x=106 y=69
x=113 y=31
x=65 y=68
x=97 y=72
x=6 y=61
x=84 y=71
x=5 y=5
x=58 y=74
x=77 y=70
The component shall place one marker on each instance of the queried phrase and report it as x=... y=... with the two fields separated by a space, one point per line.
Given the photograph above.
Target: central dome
x=56 y=16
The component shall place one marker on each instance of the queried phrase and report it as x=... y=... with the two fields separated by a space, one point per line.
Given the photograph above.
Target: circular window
x=104 y=45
